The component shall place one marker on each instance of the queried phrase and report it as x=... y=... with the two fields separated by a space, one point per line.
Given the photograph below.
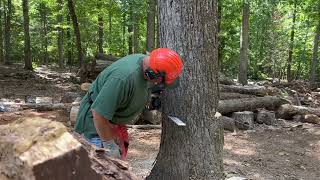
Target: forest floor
x=287 y=150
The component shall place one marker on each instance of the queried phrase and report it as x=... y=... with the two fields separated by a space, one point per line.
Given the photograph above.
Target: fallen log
x=230 y=95
x=46 y=106
x=228 y=123
x=250 y=104
x=37 y=148
x=287 y=111
x=253 y=90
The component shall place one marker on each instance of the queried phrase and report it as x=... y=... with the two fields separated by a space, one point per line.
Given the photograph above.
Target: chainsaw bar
x=176 y=120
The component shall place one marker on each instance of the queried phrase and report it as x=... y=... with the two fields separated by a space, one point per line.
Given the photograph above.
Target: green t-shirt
x=119 y=94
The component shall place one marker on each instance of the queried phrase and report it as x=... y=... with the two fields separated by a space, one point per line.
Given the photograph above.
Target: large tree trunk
x=1 y=33
x=193 y=151
x=289 y=75
x=243 y=65
x=7 y=33
x=100 y=28
x=314 y=65
x=76 y=30
x=69 y=44
x=151 y=24
x=27 y=50
x=60 y=33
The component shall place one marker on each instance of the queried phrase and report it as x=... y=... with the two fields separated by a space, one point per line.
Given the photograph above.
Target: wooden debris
x=266 y=117
x=37 y=148
x=287 y=111
x=311 y=118
x=228 y=123
x=253 y=90
x=250 y=104
x=244 y=120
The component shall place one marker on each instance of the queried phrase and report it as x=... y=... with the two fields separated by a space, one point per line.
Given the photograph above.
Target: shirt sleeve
x=109 y=98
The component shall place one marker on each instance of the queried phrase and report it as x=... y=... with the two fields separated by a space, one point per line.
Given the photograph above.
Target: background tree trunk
x=27 y=51
x=60 y=33
x=43 y=10
x=1 y=33
x=7 y=33
x=193 y=151
x=136 y=33
x=151 y=25
x=289 y=75
x=110 y=30
x=130 y=30
x=76 y=30
x=69 y=44
x=314 y=65
x=243 y=65
x=100 y=28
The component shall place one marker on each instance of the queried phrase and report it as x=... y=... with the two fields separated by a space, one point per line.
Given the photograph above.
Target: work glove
x=113 y=149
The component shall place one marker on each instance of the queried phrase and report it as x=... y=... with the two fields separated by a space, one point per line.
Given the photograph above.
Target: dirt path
x=286 y=151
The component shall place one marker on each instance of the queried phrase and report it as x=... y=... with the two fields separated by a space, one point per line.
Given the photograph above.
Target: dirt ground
x=287 y=150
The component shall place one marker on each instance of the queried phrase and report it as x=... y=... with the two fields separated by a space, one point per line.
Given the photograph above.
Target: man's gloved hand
x=113 y=149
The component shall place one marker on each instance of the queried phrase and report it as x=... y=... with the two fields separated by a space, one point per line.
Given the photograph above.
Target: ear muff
x=151 y=75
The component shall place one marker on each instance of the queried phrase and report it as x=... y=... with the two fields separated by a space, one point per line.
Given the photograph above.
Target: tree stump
x=266 y=117
x=152 y=117
x=244 y=120
x=228 y=123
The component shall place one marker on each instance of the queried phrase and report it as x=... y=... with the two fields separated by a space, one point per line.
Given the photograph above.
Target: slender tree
x=315 y=60
x=27 y=50
x=244 y=38
x=289 y=74
x=136 y=32
x=60 y=32
x=195 y=150
x=110 y=25
x=7 y=33
x=100 y=28
x=76 y=31
x=43 y=11
x=130 y=29
x=69 y=42
x=151 y=14
x=1 y=33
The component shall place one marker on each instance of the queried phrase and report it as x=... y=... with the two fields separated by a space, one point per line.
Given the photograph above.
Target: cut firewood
x=37 y=148
x=266 y=117
x=253 y=90
x=244 y=120
x=250 y=104
x=287 y=111
x=228 y=123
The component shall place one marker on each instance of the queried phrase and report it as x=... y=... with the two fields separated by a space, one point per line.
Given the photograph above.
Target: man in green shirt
x=120 y=93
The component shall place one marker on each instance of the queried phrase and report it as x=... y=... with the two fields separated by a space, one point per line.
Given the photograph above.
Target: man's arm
x=103 y=126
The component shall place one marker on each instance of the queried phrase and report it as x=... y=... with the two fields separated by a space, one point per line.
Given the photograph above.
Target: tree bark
x=289 y=75
x=1 y=32
x=27 y=50
x=100 y=28
x=151 y=24
x=243 y=65
x=76 y=30
x=287 y=111
x=60 y=33
x=69 y=44
x=7 y=33
x=250 y=104
x=193 y=151
x=43 y=10
x=314 y=65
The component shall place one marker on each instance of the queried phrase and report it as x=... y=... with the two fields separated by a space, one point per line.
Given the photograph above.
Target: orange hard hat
x=167 y=61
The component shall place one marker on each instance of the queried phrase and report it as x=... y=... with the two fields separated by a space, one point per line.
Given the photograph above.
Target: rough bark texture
x=287 y=111
x=27 y=50
x=1 y=33
x=193 y=151
x=289 y=75
x=250 y=104
x=151 y=24
x=243 y=65
x=7 y=33
x=314 y=65
x=60 y=33
x=37 y=148
x=100 y=28
x=76 y=30
x=244 y=120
